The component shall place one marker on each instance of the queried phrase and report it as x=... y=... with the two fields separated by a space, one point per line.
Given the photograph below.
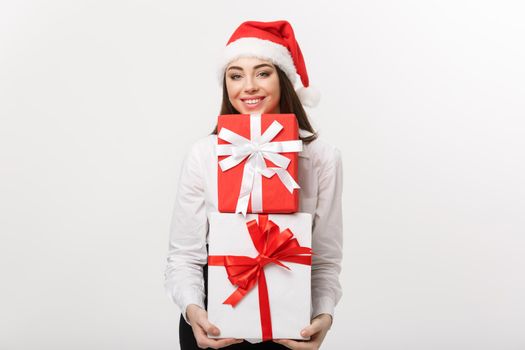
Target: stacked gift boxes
x=259 y=260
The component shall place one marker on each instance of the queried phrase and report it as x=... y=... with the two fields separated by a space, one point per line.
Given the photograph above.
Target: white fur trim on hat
x=260 y=48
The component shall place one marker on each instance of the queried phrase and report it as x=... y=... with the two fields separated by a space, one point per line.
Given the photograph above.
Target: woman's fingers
x=204 y=342
x=316 y=331
x=209 y=327
x=201 y=319
x=202 y=327
x=201 y=331
x=312 y=329
x=318 y=327
x=200 y=337
x=217 y=343
x=221 y=343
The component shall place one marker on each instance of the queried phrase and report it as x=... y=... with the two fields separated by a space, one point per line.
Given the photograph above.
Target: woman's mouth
x=252 y=103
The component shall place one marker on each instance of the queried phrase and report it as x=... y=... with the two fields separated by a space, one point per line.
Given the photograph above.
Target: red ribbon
x=244 y=272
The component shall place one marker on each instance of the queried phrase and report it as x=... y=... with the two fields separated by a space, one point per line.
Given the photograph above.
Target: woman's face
x=253 y=86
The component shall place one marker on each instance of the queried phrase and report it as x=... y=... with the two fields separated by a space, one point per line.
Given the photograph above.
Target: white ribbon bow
x=256 y=149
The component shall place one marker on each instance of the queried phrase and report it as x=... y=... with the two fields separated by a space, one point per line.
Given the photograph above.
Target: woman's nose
x=250 y=85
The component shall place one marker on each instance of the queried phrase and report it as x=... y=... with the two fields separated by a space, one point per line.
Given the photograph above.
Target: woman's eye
x=264 y=74
x=234 y=76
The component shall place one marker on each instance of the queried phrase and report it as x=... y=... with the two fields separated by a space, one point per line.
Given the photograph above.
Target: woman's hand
x=316 y=331
x=198 y=318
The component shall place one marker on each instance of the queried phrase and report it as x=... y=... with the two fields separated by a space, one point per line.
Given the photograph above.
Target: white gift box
x=288 y=290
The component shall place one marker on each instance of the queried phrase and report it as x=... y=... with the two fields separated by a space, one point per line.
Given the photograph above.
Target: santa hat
x=273 y=41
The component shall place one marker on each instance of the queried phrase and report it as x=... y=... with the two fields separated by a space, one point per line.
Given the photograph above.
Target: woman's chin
x=261 y=110
x=252 y=111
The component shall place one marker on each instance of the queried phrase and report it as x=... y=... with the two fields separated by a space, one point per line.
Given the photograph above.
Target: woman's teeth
x=252 y=102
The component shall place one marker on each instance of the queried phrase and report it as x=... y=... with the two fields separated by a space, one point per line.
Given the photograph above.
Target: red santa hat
x=273 y=41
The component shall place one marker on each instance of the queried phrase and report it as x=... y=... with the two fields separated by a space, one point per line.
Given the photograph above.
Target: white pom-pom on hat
x=309 y=96
x=273 y=41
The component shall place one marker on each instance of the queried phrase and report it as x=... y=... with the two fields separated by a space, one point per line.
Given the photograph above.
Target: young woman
x=261 y=62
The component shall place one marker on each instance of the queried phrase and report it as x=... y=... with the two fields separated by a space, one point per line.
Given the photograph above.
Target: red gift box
x=258 y=161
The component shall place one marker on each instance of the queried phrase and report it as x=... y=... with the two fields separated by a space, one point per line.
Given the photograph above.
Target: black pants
x=188 y=342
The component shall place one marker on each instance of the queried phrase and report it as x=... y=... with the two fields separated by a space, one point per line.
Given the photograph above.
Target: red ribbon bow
x=244 y=272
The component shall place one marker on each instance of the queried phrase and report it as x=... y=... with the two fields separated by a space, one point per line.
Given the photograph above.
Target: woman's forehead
x=248 y=62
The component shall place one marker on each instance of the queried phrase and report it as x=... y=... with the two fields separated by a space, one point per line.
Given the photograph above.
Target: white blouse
x=320 y=179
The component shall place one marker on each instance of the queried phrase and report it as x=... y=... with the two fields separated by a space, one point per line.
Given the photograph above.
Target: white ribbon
x=256 y=149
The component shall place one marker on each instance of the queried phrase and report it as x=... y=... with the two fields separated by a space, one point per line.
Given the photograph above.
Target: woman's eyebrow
x=255 y=67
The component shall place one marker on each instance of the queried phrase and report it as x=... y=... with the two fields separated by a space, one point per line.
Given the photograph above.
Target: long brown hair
x=289 y=103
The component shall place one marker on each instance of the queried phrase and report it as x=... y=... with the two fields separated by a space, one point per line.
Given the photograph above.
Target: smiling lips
x=252 y=102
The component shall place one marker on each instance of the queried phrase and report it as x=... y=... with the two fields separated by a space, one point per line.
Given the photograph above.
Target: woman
x=261 y=62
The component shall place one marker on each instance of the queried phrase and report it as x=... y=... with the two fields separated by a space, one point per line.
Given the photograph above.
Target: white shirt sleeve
x=184 y=282
x=327 y=238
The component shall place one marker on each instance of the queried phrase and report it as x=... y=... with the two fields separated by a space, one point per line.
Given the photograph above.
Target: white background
x=100 y=100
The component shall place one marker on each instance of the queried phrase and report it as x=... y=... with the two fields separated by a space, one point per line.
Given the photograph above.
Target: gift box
x=259 y=274
x=257 y=157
